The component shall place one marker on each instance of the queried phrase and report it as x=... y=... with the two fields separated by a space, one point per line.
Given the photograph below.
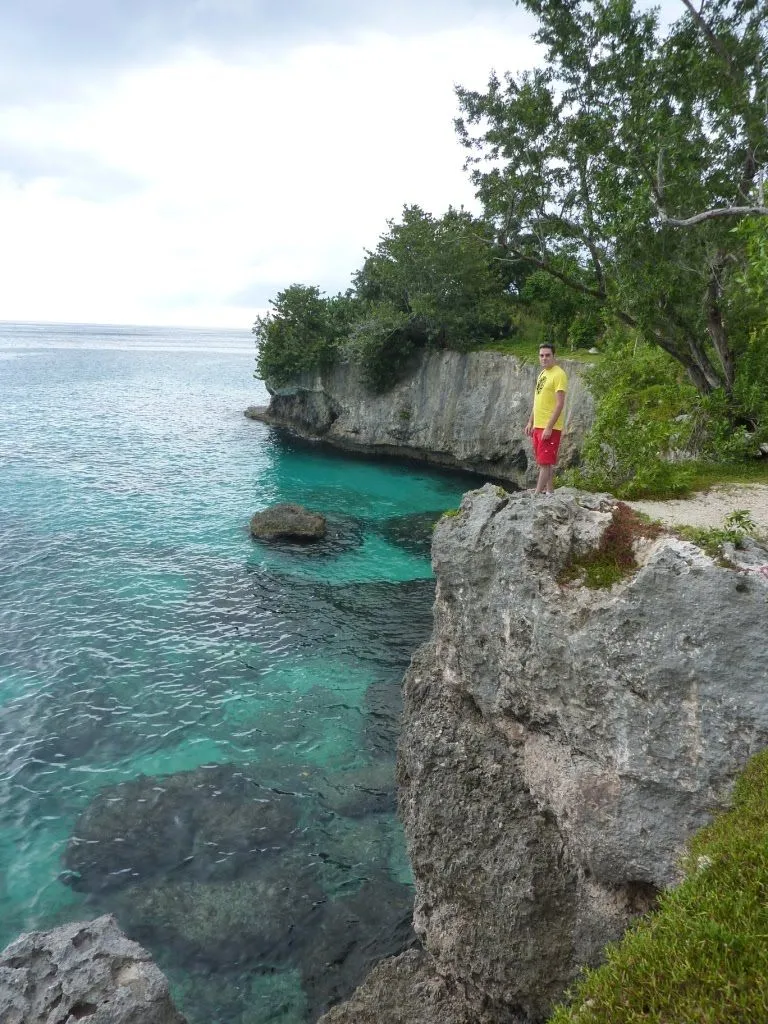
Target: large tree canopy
x=622 y=166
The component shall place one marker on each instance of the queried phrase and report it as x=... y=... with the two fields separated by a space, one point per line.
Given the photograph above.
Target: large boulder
x=560 y=744
x=85 y=971
x=288 y=522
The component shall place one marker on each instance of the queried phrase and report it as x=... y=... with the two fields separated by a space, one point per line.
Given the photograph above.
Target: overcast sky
x=180 y=161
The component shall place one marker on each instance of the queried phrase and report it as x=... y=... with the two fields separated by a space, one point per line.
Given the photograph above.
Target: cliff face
x=463 y=410
x=559 y=746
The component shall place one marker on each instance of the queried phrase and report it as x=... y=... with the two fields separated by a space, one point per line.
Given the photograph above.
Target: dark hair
x=547 y=344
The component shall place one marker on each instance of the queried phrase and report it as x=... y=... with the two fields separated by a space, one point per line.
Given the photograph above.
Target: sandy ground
x=709 y=508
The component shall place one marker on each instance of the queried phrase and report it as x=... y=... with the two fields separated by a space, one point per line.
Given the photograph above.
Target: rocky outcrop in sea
x=560 y=745
x=84 y=971
x=462 y=410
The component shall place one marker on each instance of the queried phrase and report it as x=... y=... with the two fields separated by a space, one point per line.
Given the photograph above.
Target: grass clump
x=737 y=526
x=614 y=559
x=702 y=956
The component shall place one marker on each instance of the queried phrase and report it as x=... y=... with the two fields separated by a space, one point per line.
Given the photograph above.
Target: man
x=545 y=424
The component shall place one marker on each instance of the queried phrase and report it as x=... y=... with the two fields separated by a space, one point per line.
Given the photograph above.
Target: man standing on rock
x=545 y=424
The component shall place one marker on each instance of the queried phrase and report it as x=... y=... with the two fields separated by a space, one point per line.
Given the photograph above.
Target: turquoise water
x=145 y=636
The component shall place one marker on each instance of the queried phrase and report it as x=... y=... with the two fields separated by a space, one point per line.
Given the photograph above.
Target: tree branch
x=712 y=37
x=722 y=211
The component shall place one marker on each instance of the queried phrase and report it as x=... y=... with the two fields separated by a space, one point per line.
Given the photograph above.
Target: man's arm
x=559 y=403
x=529 y=425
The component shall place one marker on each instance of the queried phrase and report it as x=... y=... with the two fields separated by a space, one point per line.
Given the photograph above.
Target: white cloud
x=244 y=177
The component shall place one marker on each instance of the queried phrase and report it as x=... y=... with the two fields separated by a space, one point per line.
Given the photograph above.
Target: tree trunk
x=718 y=332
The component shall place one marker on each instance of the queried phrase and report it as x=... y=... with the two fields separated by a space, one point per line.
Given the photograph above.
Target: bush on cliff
x=703 y=955
x=645 y=410
x=302 y=332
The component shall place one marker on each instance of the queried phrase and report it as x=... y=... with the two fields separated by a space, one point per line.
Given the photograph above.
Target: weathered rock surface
x=287 y=522
x=85 y=971
x=466 y=410
x=560 y=745
x=407 y=990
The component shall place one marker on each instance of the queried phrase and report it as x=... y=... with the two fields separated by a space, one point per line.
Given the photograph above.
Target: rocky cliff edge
x=559 y=747
x=464 y=410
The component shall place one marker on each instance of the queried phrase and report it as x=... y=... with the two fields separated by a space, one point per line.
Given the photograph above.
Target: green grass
x=694 y=477
x=706 y=474
x=527 y=351
x=702 y=956
x=737 y=525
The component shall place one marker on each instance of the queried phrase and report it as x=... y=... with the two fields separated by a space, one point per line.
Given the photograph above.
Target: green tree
x=621 y=165
x=430 y=282
x=301 y=332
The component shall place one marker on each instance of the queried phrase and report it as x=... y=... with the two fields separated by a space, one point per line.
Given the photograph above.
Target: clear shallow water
x=144 y=634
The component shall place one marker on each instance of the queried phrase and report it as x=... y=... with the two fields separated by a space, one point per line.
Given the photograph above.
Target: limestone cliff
x=466 y=410
x=559 y=746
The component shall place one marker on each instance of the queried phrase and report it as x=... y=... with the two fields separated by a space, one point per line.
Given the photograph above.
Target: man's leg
x=545 y=482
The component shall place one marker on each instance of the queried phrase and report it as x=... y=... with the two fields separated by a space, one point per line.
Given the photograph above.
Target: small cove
x=147 y=638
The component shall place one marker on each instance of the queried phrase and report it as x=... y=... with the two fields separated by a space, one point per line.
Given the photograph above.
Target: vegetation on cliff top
x=703 y=955
x=622 y=186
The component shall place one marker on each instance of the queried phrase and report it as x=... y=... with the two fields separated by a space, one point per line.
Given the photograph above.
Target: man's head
x=546 y=355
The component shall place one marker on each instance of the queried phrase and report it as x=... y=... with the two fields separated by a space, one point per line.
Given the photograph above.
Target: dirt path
x=709 y=508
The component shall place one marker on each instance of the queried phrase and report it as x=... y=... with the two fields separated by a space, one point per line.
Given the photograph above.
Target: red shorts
x=545 y=452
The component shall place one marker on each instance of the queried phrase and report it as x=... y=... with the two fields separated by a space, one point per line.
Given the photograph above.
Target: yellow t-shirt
x=544 y=401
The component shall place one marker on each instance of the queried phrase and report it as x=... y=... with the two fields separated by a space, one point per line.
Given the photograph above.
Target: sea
x=198 y=729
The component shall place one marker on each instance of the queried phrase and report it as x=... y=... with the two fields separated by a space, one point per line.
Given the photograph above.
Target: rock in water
x=211 y=824
x=85 y=971
x=288 y=522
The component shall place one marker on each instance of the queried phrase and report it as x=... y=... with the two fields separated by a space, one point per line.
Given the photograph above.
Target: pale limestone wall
x=457 y=409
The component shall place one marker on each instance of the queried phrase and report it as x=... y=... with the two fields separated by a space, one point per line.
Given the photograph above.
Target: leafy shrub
x=644 y=415
x=737 y=525
x=302 y=332
x=703 y=955
x=383 y=344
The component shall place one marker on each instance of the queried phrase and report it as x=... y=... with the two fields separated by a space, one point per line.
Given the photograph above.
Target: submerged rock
x=383 y=707
x=353 y=934
x=288 y=522
x=413 y=532
x=225 y=925
x=213 y=823
x=218 y=871
x=85 y=971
